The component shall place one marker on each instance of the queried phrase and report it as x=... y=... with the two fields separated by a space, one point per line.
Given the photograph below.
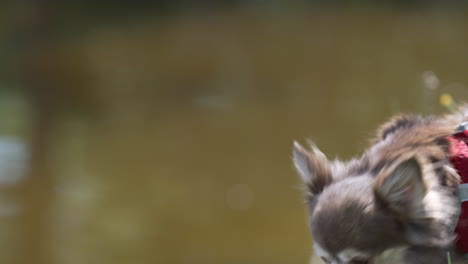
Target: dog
x=397 y=203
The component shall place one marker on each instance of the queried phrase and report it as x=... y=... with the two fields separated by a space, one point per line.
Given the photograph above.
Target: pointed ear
x=313 y=168
x=401 y=188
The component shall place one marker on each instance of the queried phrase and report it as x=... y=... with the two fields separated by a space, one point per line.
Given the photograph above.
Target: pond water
x=173 y=142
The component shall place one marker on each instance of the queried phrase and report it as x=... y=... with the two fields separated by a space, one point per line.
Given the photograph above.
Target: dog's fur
x=397 y=203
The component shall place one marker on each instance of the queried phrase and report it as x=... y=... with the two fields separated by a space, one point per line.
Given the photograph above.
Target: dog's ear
x=402 y=191
x=423 y=213
x=401 y=188
x=313 y=168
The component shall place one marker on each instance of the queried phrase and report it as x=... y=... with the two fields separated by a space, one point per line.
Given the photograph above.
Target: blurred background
x=161 y=131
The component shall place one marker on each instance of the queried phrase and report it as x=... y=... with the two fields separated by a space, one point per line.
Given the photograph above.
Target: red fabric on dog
x=459 y=160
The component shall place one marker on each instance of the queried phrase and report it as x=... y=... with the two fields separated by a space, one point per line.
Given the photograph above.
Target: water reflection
x=13 y=160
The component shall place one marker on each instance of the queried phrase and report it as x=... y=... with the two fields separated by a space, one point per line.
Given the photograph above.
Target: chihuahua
x=397 y=203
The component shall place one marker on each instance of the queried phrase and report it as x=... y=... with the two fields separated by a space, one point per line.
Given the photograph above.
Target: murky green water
x=174 y=135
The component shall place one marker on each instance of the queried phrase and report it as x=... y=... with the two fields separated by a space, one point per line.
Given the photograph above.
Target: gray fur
x=399 y=194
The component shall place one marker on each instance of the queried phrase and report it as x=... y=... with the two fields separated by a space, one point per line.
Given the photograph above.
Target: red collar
x=459 y=160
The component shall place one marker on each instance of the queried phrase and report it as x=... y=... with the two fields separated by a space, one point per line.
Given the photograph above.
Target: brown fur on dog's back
x=425 y=137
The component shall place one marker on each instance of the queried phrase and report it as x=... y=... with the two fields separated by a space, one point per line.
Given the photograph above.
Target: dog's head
x=363 y=216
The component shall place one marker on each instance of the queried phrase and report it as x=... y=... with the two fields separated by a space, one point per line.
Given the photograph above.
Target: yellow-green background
x=162 y=133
